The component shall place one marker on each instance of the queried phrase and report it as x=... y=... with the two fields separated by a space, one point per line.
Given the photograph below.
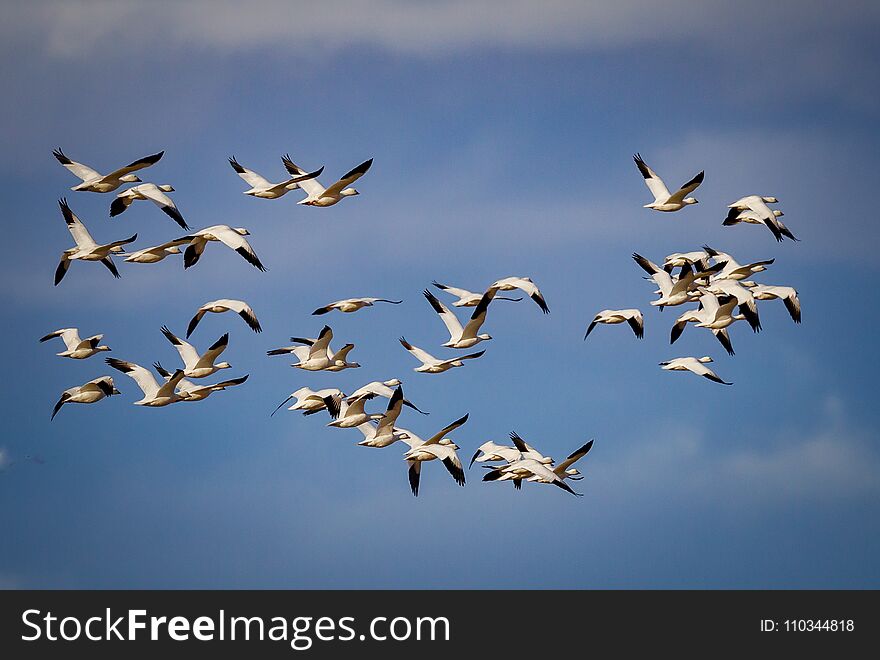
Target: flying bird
x=728 y=268
x=155 y=254
x=77 y=349
x=153 y=193
x=195 y=365
x=90 y=392
x=613 y=316
x=432 y=365
x=788 y=295
x=736 y=216
x=757 y=204
x=694 y=365
x=672 y=292
x=309 y=400
x=318 y=195
x=316 y=355
x=383 y=389
x=467 y=298
x=524 y=284
x=225 y=305
x=350 y=305
x=86 y=248
x=663 y=200
x=155 y=395
x=233 y=238
x=264 y=189
x=437 y=447
x=383 y=433
x=93 y=181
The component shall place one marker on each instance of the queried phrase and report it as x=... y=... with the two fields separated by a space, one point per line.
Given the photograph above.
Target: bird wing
x=437 y=437
x=449 y=319
x=77 y=229
x=78 y=169
x=395 y=404
x=152 y=192
x=311 y=186
x=348 y=178
x=477 y=318
x=322 y=344
x=655 y=183
x=187 y=351
x=418 y=353
x=70 y=337
x=194 y=321
x=461 y=293
x=138 y=374
x=573 y=458
x=237 y=242
x=687 y=189
x=135 y=166
x=168 y=387
x=765 y=214
x=213 y=352
x=250 y=177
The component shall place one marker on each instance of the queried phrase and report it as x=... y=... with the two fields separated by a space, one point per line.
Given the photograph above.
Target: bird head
x=394 y=382
x=224 y=365
x=705 y=359
x=173 y=250
x=166 y=188
x=242 y=231
x=130 y=178
x=690 y=200
x=349 y=191
x=485 y=336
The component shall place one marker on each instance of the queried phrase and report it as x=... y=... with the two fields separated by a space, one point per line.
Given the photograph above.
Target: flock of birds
x=721 y=288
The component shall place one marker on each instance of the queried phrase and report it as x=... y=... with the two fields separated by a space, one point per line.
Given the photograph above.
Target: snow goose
x=757 y=204
x=233 y=238
x=155 y=254
x=735 y=216
x=318 y=195
x=93 y=181
x=350 y=305
x=731 y=269
x=663 y=200
x=524 y=284
x=530 y=470
x=195 y=365
x=709 y=309
x=86 y=248
x=90 y=392
x=521 y=451
x=316 y=355
x=467 y=298
x=437 y=447
x=564 y=469
x=788 y=295
x=383 y=434
x=495 y=452
x=309 y=400
x=469 y=335
x=383 y=389
x=432 y=365
x=613 y=316
x=77 y=349
x=672 y=293
x=744 y=298
x=698 y=258
x=192 y=392
x=153 y=193
x=225 y=305
x=155 y=395
x=694 y=365
x=264 y=189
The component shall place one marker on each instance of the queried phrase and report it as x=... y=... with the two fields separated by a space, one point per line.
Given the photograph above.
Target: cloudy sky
x=502 y=135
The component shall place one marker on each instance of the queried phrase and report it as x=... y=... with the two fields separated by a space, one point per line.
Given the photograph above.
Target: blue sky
x=502 y=145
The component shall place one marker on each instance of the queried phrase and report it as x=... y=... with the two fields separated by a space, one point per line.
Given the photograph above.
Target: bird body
x=350 y=305
x=264 y=189
x=90 y=392
x=694 y=365
x=613 y=316
x=77 y=349
x=196 y=365
x=663 y=199
x=93 y=181
x=432 y=365
x=318 y=195
x=152 y=193
x=240 y=307
x=86 y=248
x=231 y=237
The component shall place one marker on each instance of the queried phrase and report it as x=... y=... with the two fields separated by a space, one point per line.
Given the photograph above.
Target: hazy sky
x=502 y=141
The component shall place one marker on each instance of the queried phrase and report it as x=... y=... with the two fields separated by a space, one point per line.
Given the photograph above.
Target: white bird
x=757 y=204
x=694 y=365
x=155 y=395
x=316 y=355
x=437 y=447
x=469 y=335
x=744 y=298
x=698 y=258
x=318 y=195
x=195 y=365
x=225 y=305
x=90 y=392
x=467 y=298
x=524 y=284
x=531 y=466
x=736 y=216
x=153 y=193
x=155 y=254
x=432 y=365
x=383 y=389
x=731 y=269
x=495 y=452
x=672 y=293
x=613 y=316
x=77 y=349
x=383 y=434
x=193 y=392
x=350 y=305
x=663 y=200
x=264 y=189
x=308 y=400
x=709 y=310
x=233 y=238
x=93 y=181
x=86 y=248
x=788 y=295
